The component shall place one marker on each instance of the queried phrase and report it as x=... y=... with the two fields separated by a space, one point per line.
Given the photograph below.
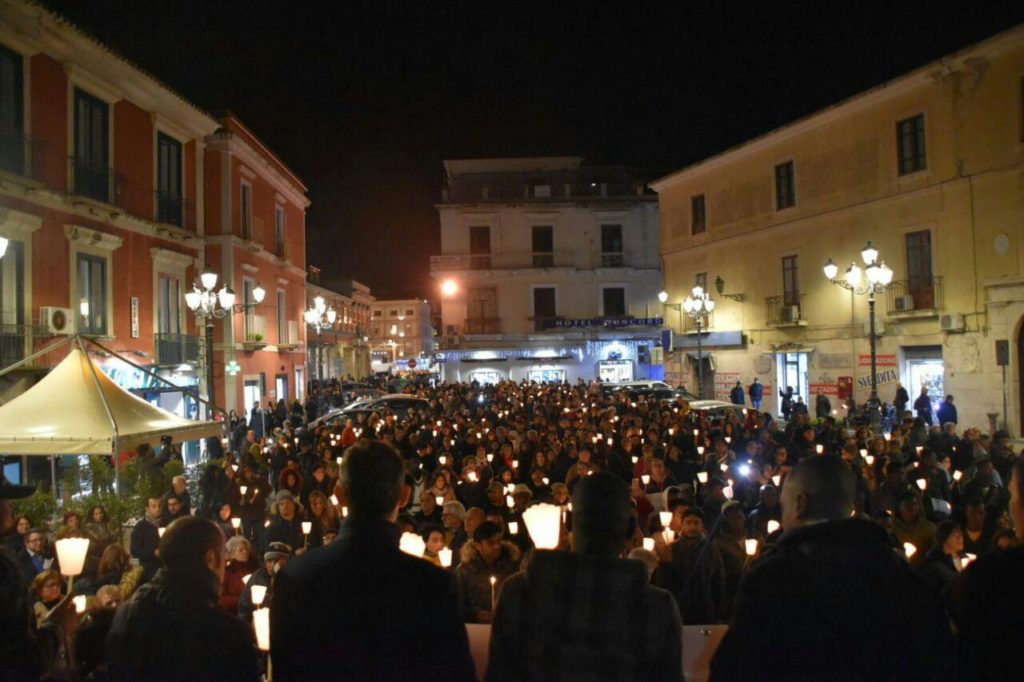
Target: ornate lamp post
x=696 y=305
x=209 y=304
x=320 y=317
x=879 y=276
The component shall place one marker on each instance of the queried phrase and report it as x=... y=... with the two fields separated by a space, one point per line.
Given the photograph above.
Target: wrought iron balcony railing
x=175 y=349
x=96 y=182
x=784 y=310
x=916 y=294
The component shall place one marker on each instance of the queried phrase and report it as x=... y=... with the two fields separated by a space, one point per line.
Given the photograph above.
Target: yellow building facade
x=929 y=168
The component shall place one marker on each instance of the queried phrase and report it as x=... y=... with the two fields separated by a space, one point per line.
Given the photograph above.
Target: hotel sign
x=608 y=322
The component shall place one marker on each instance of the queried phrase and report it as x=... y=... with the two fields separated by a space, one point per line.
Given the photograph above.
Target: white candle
x=79 y=601
x=515 y=464
x=773 y=526
x=957 y=475
x=442 y=460
x=245 y=578
x=700 y=449
x=668 y=534
x=724 y=467
x=472 y=476
x=777 y=480
x=261 y=621
x=160 y=532
x=869 y=460
x=334 y=500
x=750 y=546
x=543 y=525
x=490 y=456
x=513 y=527
x=445 y=555
x=819 y=448
x=509 y=501
x=609 y=442
x=71 y=555
x=649 y=544
x=307 y=527
x=727 y=491
x=967 y=558
x=887 y=436
x=910 y=549
x=702 y=476
x=438 y=500
x=412 y=544
x=863 y=452
x=635 y=459
x=243 y=489
x=259 y=593
x=546 y=480
x=645 y=479
x=922 y=484
x=665 y=517
x=236 y=522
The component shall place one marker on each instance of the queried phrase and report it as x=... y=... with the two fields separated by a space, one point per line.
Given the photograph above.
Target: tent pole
x=19 y=363
x=106 y=406
x=155 y=376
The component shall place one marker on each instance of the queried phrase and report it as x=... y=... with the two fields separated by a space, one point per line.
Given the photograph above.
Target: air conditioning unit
x=903 y=304
x=790 y=313
x=954 y=322
x=56 y=320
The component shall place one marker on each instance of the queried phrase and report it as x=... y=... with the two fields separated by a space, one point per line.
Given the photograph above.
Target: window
x=393 y=312
x=92 y=294
x=482 y=310
x=791 y=280
x=12 y=111
x=701 y=280
x=245 y=206
x=480 y=247
x=910 y=141
x=919 y=269
x=611 y=246
x=698 y=215
x=92 y=175
x=378 y=313
x=410 y=312
x=282 y=318
x=12 y=303
x=613 y=300
x=543 y=306
x=785 y=190
x=168 y=297
x=279 y=229
x=168 y=180
x=543 y=246
x=250 y=316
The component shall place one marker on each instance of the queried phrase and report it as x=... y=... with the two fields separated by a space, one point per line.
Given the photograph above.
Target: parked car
x=399 y=403
x=658 y=389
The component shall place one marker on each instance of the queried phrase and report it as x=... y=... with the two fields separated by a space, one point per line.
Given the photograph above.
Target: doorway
x=281 y=387
x=792 y=371
x=923 y=367
x=251 y=394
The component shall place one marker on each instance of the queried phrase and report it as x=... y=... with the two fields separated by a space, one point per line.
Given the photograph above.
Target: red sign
x=412 y=362
x=880 y=360
x=828 y=389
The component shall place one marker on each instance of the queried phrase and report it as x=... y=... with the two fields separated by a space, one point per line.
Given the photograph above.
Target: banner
x=880 y=360
x=889 y=376
x=613 y=322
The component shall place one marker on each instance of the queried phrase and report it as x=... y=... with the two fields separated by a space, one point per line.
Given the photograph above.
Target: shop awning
x=65 y=414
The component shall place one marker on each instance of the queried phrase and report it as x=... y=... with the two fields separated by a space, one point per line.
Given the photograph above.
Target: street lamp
x=878 y=276
x=209 y=304
x=320 y=317
x=696 y=305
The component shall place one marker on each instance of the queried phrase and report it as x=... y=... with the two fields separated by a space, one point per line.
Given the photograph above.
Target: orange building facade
x=115 y=193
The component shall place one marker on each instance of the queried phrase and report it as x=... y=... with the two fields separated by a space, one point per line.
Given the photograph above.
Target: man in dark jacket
x=360 y=608
x=803 y=610
x=587 y=614
x=756 y=392
x=947 y=412
x=696 y=574
x=923 y=406
x=145 y=539
x=172 y=628
x=736 y=394
x=900 y=401
x=484 y=558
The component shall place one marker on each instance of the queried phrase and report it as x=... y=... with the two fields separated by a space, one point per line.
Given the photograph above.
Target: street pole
x=209 y=365
x=700 y=364
x=874 y=357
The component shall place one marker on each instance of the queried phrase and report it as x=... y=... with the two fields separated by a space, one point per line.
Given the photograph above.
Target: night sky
x=364 y=101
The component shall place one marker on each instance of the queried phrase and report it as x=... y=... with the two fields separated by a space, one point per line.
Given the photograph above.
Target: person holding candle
x=360 y=608
x=803 y=610
x=531 y=636
x=172 y=629
x=910 y=525
x=276 y=556
x=286 y=517
x=487 y=556
x=240 y=562
x=695 y=572
x=48 y=588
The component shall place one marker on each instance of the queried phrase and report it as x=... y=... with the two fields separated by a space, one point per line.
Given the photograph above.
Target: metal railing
x=784 y=310
x=101 y=183
x=529 y=259
x=914 y=294
x=175 y=210
x=553 y=191
x=482 y=325
x=12 y=343
x=174 y=349
x=20 y=154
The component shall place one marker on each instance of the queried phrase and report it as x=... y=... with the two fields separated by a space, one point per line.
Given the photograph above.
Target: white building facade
x=549 y=271
x=401 y=336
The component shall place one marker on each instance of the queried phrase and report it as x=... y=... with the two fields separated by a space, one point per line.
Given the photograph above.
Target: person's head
x=769 y=496
x=179 y=484
x=35 y=541
x=114 y=558
x=98 y=514
x=153 y=507
x=487 y=539
x=692 y=525
x=22 y=524
x=108 y=597
x=372 y=477
x=433 y=536
x=949 y=538
x=453 y=513
x=975 y=513
x=238 y=548
x=276 y=556
x=733 y=518
x=72 y=521
x=192 y=542
x=173 y=505
x=474 y=517
x=648 y=558
x=285 y=503
x=949 y=399
x=909 y=508
x=47 y=586
x=602 y=516
x=818 y=489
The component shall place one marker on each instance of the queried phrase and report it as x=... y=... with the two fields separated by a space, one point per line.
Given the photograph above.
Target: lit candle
x=261 y=621
x=870 y=459
x=669 y=535
x=510 y=487
x=724 y=467
x=645 y=479
x=635 y=459
x=513 y=527
x=773 y=526
x=702 y=477
x=609 y=442
x=728 y=439
x=967 y=558
x=71 y=555
x=727 y=491
x=412 y=544
x=79 y=601
x=957 y=475
x=245 y=578
x=665 y=517
x=922 y=483
x=777 y=480
x=515 y=464
x=910 y=549
x=236 y=523
x=307 y=527
x=649 y=544
x=243 y=489
x=494 y=581
x=509 y=501
x=259 y=593
x=338 y=460
x=920 y=449
x=490 y=456
x=445 y=555
x=543 y=524
x=442 y=460
x=819 y=448
x=334 y=500
x=344 y=512
x=750 y=546
x=887 y=436
x=863 y=452
x=545 y=480
x=160 y=532
x=472 y=476
x=700 y=449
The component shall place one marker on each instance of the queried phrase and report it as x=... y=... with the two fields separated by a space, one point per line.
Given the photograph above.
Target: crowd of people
x=799 y=534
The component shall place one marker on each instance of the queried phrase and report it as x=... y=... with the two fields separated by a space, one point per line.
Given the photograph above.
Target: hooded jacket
x=577 y=617
x=819 y=604
x=172 y=629
x=474 y=577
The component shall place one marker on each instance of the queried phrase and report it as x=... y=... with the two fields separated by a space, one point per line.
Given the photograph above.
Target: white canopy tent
x=76 y=409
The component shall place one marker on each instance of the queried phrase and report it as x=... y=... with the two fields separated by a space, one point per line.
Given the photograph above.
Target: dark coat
x=988 y=615
x=938 y=569
x=360 y=609
x=756 y=391
x=584 y=617
x=145 y=539
x=809 y=609
x=696 y=578
x=171 y=629
x=736 y=395
x=946 y=413
x=474 y=577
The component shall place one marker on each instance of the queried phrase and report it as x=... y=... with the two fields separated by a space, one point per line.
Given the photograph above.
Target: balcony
x=175 y=349
x=20 y=154
x=526 y=260
x=784 y=311
x=96 y=182
x=174 y=210
x=914 y=297
x=482 y=325
x=255 y=332
x=12 y=343
x=549 y=191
